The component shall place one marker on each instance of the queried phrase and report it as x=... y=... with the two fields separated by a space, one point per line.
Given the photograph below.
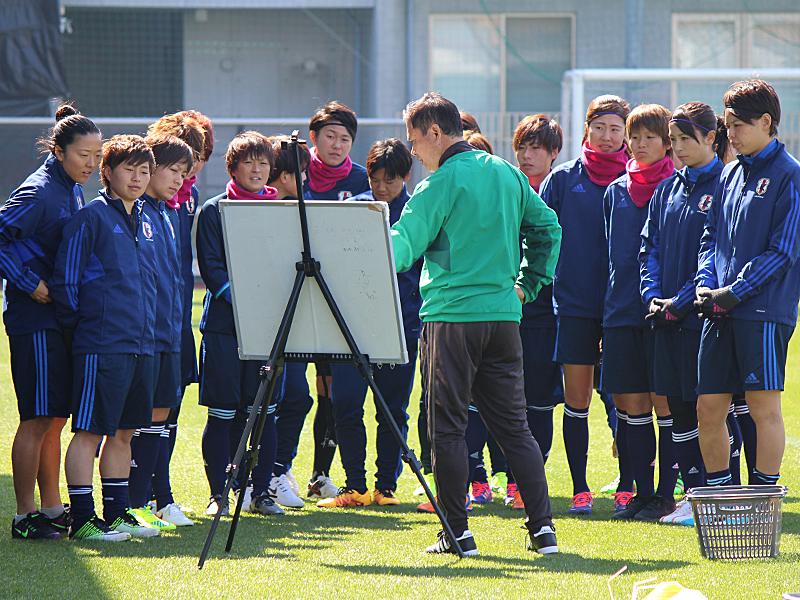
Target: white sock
x=53 y=511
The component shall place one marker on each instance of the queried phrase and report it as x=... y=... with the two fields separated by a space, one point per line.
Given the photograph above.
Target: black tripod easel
x=307 y=268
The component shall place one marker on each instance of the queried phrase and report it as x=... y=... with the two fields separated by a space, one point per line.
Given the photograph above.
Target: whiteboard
x=352 y=242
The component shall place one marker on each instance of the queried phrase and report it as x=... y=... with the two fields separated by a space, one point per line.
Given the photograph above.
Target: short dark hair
x=130 y=149
x=654 y=118
x=750 y=100
x=169 y=150
x=185 y=127
x=605 y=105
x=284 y=160
x=540 y=130
x=208 y=131
x=468 y=122
x=334 y=113
x=434 y=108
x=478 y=141
x=248 y=144
x=391 y=155
x=696 y=119
x=69 y=125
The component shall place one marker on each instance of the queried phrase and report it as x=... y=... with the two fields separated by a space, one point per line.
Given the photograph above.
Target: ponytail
x=721 y=139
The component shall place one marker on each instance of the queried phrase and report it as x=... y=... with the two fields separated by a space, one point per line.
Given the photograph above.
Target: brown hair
x=604 y=105
x=653 y=117
x=750 y=100
x=169 y=150
x=69 y=125
x=184 y=127
x=540 y=130
x=696 y=119
x=468 y=122
x=130 y=149
x=208 y=131
x=478 y=141
x=392 y=156
x=284 y=159
x=335 y=113
x=249 y=144
x=434 y=108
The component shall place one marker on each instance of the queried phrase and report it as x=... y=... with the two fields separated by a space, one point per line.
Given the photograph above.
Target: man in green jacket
x=466 y=220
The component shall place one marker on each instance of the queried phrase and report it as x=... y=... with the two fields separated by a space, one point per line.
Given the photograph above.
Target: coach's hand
x=520 y=294
x=41 y=294
x=714 y=304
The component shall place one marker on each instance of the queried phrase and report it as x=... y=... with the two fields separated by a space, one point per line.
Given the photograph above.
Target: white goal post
x=573 y=104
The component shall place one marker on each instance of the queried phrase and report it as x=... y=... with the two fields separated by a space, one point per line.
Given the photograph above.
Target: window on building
x=737 y=40
x=501 y=63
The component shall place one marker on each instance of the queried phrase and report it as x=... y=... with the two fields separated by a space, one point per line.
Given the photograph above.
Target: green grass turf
x=378 y=552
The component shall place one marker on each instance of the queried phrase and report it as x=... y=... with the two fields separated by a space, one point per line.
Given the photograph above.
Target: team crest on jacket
x=344 y=195
x=705 y=202
x=148 y=230
x=761 y=187
x=190 y=204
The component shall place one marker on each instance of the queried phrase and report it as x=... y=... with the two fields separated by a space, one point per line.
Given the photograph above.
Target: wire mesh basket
x=740 y=521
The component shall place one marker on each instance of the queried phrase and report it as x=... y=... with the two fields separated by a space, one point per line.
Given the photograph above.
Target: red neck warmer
x=234 y=192
x=183 y=195
x=536 y=187
x=322 y=177
x=603 y=167
x=642 y=181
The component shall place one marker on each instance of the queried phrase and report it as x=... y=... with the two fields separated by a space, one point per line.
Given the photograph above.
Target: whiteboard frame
x=391 y=310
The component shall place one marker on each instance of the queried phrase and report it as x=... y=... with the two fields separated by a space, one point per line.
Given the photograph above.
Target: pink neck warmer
x=234 y=192
x=642 y=181
x=322 y=177
x=183 y=195
x=603 y=167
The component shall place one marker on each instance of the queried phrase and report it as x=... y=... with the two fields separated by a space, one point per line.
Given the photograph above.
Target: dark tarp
x=31 y=71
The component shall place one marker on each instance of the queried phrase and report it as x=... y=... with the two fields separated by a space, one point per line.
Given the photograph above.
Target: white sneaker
x=172 y=514
x=215 y=504
x=187 y=510
x=682 y=515
x=283 y=494
x=322 y=488
x=248 y=492
x=293 y=482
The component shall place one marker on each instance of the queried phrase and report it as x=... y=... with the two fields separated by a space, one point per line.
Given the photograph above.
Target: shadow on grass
x=511 y=568
x=37 y=568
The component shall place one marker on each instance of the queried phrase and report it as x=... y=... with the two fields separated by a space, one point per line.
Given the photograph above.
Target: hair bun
x=65 y=110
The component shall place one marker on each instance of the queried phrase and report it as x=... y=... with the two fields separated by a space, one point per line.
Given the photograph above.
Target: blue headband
x=691 y=123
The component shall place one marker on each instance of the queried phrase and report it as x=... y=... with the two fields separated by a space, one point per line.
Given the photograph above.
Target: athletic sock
x=759 y=478
x=162 y=488
x=625 y=469
x=81 y=504
x=115 y=497
x=748 y=428
x=576 y=441
x=718 y=478
x=496 y=456
x=668 y=469
x=475 y=438
x=642 y=452
x=324 y=437
x=540 y=422
x=268 y=448
x=173 y=425
x=685 y=437
x=279 y=469
x=52 y=512
x=144 y=453
x=215 y=447
x=735 y=439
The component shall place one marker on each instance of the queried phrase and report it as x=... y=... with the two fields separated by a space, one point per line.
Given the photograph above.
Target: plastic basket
x=740 y=521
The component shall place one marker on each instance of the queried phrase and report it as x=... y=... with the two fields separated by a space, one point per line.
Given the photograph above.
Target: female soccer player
x=627 y=342
x=575 y=191
x=31 y=224
x=668 y=266
x=748 y=272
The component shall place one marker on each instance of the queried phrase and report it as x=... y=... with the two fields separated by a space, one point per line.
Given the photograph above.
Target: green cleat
x=147 y=518
x=96 y=529
x=500 y=484
x=128 y=523
x=420 y=491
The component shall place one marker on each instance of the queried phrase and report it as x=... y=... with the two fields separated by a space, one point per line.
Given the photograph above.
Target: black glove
x=662 y=313
x=714 y=304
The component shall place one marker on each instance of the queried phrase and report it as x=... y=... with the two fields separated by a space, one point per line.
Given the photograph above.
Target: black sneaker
x=443 y=546
x=35 y=526
x=543 y=541
x=636 y=505
x=657 y=507
x=62 y=522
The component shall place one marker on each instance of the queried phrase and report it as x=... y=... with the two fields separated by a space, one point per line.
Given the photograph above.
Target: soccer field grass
x=377 y=552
